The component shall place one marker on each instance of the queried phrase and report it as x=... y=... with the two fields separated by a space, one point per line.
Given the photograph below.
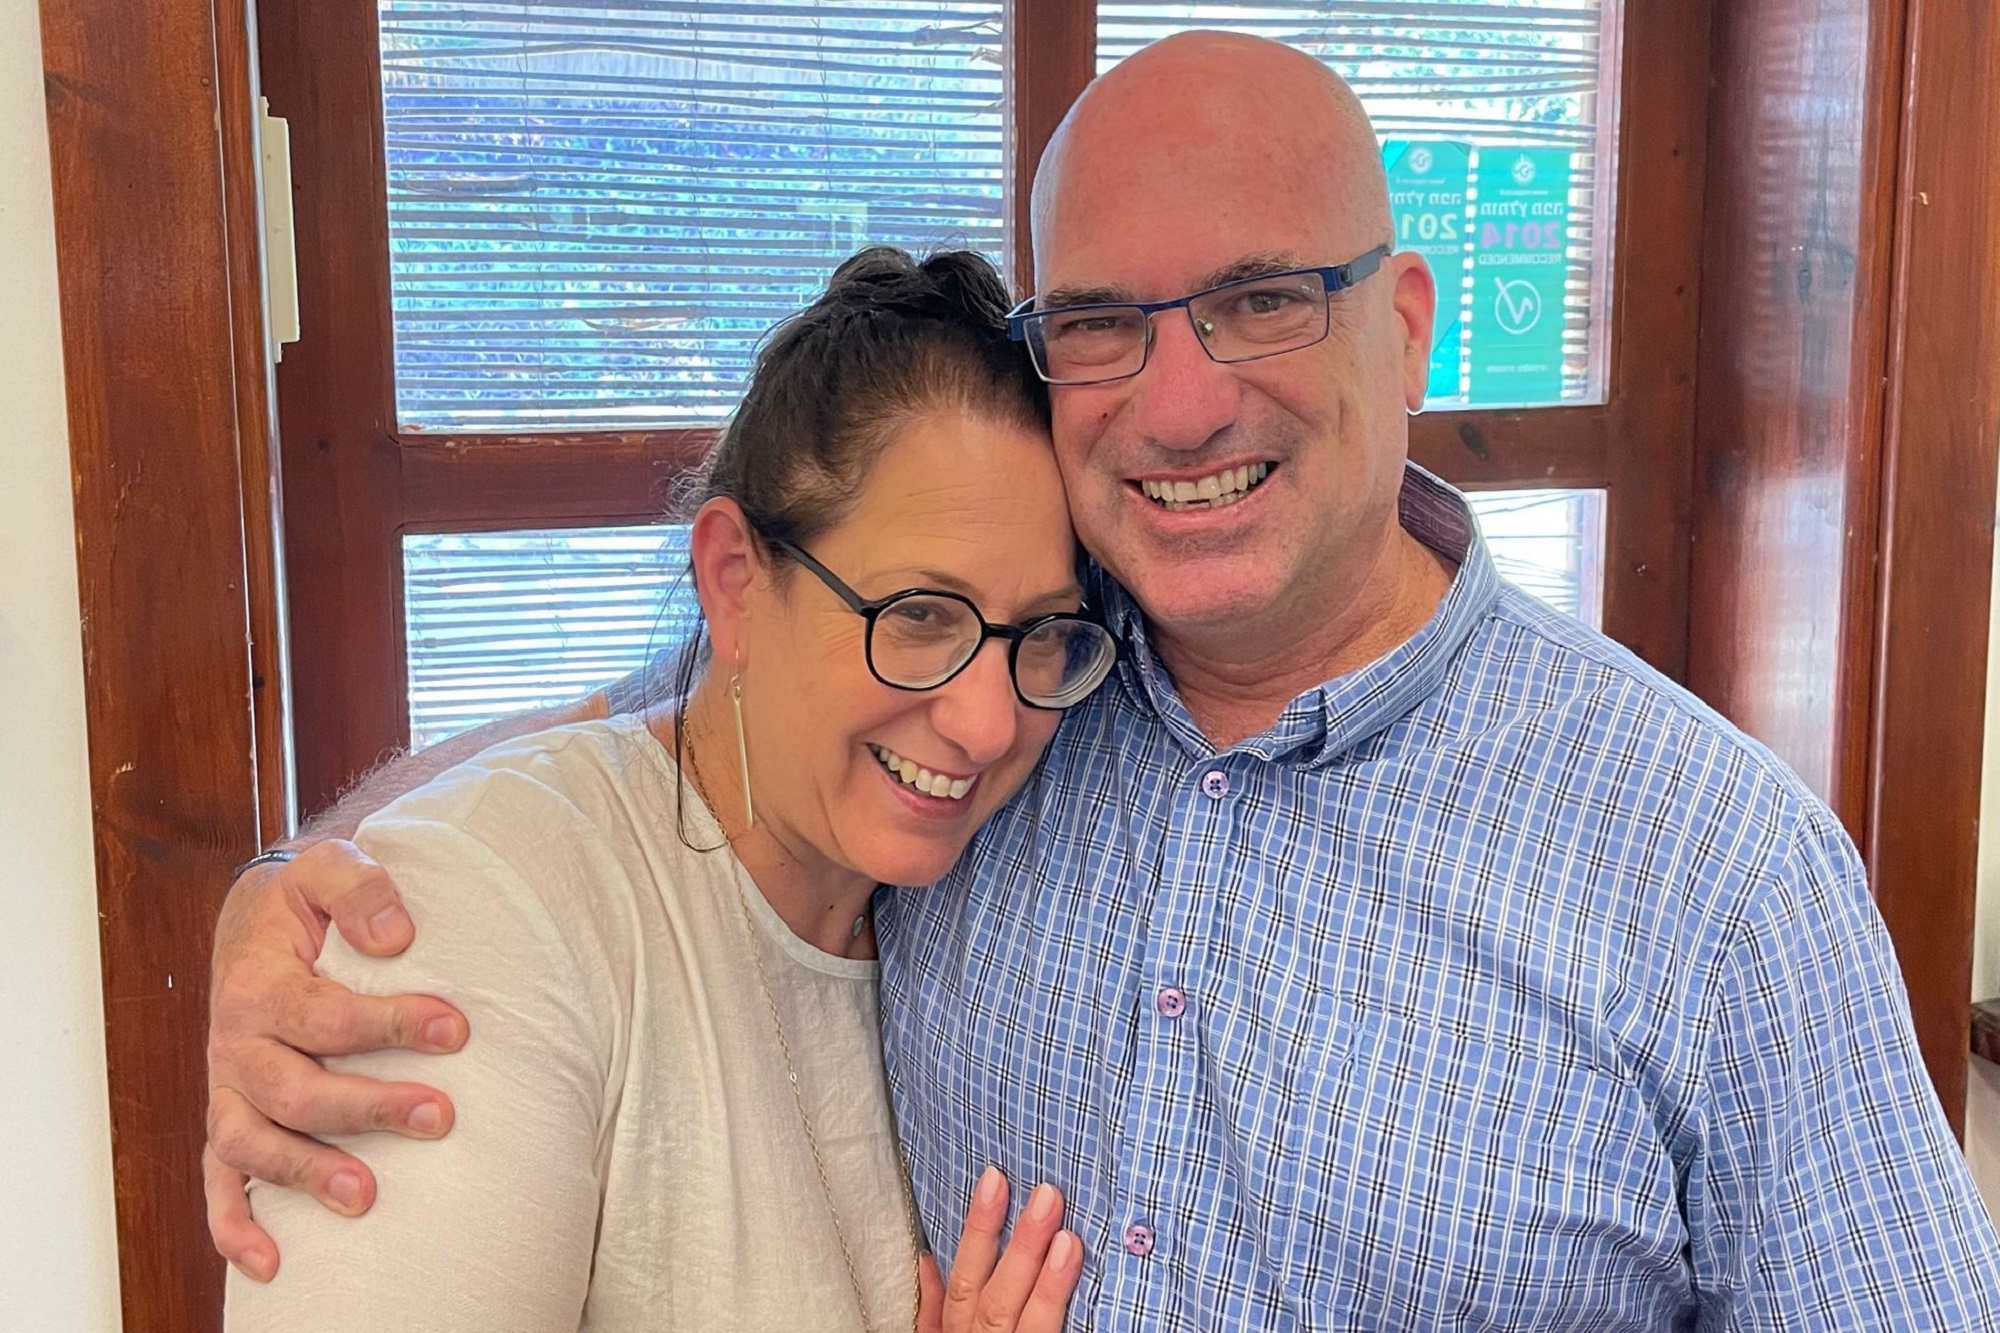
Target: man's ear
x=727 y=568
x=1415 y=299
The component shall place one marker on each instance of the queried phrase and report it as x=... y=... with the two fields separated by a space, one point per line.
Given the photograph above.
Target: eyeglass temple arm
x=831 y=580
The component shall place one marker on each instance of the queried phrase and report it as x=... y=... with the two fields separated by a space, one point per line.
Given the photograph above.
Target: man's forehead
x=1156 y=225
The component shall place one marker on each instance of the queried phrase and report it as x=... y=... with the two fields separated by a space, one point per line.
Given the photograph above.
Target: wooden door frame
x=151 y=113
x=1940 y=467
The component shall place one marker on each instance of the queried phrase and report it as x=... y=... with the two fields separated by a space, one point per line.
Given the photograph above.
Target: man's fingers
x=237 y=1238
x=243 y=1140
x=978 y=1247
x=325 y=1018
x=296 y=1092
x=1014 y=1277
x=341 y=881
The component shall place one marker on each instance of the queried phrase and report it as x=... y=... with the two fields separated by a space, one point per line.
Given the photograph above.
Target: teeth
x=916 y=775
x=1210 y=492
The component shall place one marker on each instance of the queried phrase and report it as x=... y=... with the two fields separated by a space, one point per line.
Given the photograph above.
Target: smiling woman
x=661 y=925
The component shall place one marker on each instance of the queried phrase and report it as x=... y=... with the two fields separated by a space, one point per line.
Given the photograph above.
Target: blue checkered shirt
x=1498 y=985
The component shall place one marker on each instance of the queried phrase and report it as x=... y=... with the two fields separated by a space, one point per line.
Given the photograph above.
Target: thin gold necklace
x=798 y=1094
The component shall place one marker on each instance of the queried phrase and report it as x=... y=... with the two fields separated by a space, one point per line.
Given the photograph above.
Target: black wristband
x=276 y=856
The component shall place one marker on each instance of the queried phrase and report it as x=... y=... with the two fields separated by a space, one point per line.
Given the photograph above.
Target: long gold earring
x=742 y=750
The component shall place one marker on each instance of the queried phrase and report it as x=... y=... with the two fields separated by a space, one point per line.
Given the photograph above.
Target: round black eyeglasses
x=920 y=638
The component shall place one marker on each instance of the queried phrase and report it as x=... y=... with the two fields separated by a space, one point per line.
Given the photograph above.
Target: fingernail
x=1042 y=1203
x=426 y=1117
x=386 y=925
x=439 y=1033
x=989 y=1187
x=345 y=1187
x=256 y=1263
x=1061 y=1250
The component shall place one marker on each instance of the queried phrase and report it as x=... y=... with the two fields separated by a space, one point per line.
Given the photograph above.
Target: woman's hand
x=1024 y=1290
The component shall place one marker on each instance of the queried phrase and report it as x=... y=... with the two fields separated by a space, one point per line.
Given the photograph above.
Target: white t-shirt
x=627 y=1152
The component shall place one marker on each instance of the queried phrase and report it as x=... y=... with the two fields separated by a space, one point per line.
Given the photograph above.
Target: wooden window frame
x=359 y=485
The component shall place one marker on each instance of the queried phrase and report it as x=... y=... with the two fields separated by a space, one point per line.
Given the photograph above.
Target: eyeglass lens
x=1239 y=322
x=922 y=640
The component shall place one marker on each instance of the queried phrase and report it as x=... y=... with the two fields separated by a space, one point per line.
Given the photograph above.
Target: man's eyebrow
x=1068 y=296
x=1253 y=266
x=1249 y=266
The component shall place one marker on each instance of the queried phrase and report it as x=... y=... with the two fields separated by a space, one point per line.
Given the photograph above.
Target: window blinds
x=597 y=209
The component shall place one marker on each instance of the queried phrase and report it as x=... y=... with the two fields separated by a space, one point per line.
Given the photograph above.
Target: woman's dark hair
x=892 y=340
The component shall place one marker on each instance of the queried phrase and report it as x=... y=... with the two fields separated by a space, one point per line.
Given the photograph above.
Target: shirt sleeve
x=1827 y=1191
x=491 y=1228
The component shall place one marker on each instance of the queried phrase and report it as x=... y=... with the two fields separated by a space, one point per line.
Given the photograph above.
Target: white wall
x=1982 y=1093
x=1982 y=1100
x=58 y=1242
x=1986 y=918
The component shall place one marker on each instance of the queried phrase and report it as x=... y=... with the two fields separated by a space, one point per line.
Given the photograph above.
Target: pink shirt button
x=1172 y=1001
x=1215 y=784
x=1139 y=1239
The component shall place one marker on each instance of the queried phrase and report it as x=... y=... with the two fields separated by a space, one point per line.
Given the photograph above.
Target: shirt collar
x=1332 y=718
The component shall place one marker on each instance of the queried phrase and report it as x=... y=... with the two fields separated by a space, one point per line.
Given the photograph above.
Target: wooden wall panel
x=1941 y=449
x=1846 y=433
x=1794 y=297
x=160 y=385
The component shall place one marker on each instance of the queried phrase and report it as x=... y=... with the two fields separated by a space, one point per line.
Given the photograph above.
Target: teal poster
x=1520 y=236
x=1427 y=186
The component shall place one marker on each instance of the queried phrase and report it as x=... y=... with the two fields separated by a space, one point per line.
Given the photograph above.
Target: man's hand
x=269 y=1014
x=1025 y=1289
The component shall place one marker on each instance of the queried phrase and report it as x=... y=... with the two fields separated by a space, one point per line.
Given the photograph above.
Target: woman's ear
x=727 y=568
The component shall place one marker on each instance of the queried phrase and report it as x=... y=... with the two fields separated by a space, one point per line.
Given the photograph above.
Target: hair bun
x=952 y=285
x=970 y=283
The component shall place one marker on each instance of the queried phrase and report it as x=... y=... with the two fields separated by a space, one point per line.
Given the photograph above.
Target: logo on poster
x=1524 y=170
x=1420 y=160
x=1516 y=305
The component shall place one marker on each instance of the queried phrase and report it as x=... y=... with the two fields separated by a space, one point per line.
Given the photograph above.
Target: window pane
x=1497 y=119
x=596 y=208
x=1550 y=544
x=499 y=622
x=502 y=621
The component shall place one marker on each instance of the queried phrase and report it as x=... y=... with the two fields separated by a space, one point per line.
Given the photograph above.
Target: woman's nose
x=977 y=710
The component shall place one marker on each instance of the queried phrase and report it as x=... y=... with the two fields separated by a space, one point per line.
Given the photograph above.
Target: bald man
x=1380 y=950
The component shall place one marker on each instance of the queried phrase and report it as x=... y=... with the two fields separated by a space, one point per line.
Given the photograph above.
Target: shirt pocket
x=1430 y=1175
x=1273 y=1068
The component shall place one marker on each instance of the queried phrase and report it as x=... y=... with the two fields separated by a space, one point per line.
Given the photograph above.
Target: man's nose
x=1183 y=397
